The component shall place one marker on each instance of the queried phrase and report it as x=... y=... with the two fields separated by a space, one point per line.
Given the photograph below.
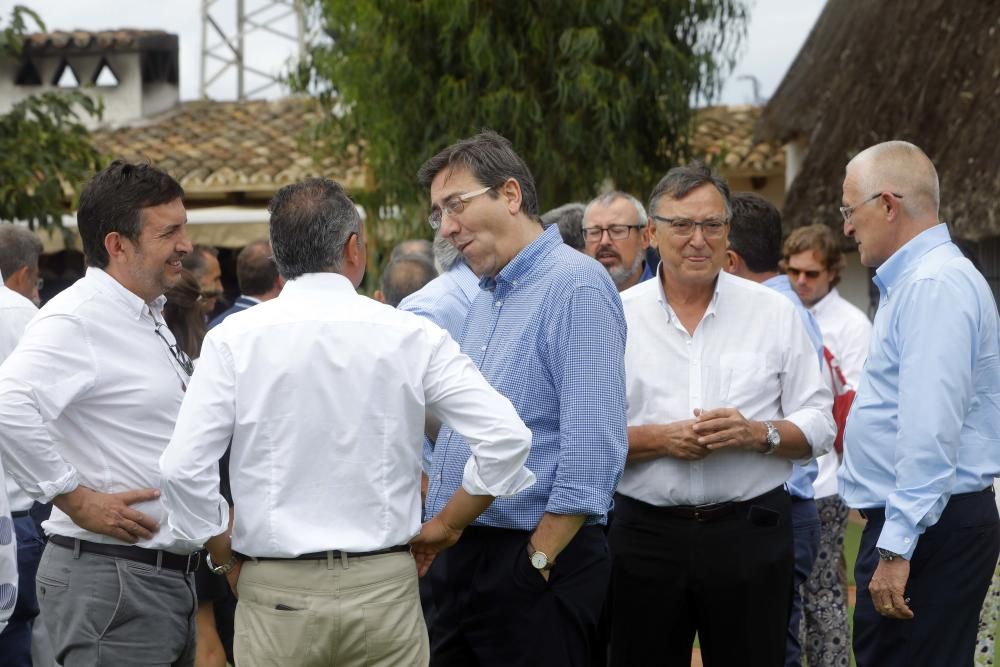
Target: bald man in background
x=920 y=448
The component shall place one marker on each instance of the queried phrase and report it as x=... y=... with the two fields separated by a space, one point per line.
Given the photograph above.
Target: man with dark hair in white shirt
x=724 y=394
x=87 y=404
x=323 y=393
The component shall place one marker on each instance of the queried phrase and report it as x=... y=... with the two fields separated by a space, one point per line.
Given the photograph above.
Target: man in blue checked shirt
x=922 y=443
x=525 y=584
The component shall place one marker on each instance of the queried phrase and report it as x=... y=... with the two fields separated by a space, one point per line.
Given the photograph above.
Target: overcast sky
x=777 y=30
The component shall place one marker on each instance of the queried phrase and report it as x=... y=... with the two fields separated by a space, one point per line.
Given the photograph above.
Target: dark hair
x=404 y=276
x=819 y=238
x=256 y=271
x=19 y=247
x=183 y=314
x=491 y=160
x=113 y=200
x=679 y=182
x=195 y=262
x=755 y=232
x=311 y=222
x=569 y=218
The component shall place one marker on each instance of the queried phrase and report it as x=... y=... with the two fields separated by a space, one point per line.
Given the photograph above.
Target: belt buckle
x=701 y=510
x=196 y=555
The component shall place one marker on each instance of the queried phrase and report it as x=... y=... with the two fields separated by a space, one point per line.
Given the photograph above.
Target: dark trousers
x=493 y=608
x=805 y=537
x=15 y=640
x=729 y=580
x=950 y=571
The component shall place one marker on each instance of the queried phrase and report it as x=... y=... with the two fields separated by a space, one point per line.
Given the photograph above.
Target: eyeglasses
x=847 y=211
x=794 y=273
x=615 y=232
x=713 y=228
x=453 y=206
x=179 y=355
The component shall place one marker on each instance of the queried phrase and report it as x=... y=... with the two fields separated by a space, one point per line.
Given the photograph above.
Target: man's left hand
x=887 y=588
x=727 y=427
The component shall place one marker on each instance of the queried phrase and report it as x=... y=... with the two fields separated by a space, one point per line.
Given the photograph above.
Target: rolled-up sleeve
x=587 y=344
x=806 y=399
x=458 y=395
x=189 y=465
x=52 y=366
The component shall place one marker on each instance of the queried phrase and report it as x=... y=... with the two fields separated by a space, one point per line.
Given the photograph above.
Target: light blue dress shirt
x=549 y=334
x=800 y=483
x=445 y=301
x=925 y=424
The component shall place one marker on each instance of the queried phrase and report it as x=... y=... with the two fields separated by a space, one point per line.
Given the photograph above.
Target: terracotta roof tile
x=220 y=147
x=723 y=136
x=126 y=39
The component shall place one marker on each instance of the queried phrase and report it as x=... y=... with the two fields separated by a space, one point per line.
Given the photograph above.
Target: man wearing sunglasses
x=616 y=235
x=88 y=401
x=921 y=443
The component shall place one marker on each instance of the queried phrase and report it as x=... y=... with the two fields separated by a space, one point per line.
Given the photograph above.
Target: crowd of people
x=579 y=438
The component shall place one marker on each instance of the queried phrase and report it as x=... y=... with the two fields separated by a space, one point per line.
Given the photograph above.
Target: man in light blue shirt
x=922 y=444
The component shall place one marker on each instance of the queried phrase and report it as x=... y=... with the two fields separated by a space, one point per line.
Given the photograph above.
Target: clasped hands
x=712 y=430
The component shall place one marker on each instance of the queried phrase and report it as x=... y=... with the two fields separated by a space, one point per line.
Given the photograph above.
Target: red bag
x=843 y=396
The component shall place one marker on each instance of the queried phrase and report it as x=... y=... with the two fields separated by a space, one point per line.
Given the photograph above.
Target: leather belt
x=324 y=555
x=20 y=514
x=705 y=513
x=154 y=557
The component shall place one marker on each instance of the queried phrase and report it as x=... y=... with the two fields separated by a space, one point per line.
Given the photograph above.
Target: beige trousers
x=362 y=611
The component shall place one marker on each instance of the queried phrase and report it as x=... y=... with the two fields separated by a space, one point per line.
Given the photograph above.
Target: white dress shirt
x=89 y=397
x=750 y=352
x=846 y=332
x=15 y=313
x=323 y=393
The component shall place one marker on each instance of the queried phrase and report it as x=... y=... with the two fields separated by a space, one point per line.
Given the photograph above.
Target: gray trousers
x=103 y=611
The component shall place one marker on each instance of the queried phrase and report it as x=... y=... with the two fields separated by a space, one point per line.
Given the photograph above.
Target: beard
x=621 y=274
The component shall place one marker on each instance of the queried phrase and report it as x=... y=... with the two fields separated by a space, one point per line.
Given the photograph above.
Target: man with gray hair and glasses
x=616 y=235
x=724 y=395
x=323 y=394
x=921 y=444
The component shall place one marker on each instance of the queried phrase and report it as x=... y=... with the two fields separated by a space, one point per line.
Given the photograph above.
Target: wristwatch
x=223 y=569
x=886 y=555
x=773 y=438
x=539 y=560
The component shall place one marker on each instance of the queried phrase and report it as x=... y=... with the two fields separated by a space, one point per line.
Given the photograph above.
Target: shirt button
x=500 y=302
x=483 y=348
x=906 y=539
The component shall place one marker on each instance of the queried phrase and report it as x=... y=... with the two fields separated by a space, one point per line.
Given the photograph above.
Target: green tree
x=45 y=150
x=587 y=90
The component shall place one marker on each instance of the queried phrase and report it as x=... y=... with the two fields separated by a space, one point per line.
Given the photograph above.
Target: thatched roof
x=873 y=70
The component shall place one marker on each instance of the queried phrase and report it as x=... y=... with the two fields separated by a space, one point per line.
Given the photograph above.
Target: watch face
x=539 y=560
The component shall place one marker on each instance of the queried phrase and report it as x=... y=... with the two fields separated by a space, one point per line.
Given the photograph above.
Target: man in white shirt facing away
x=724 y=394
x=19 y=252
x=323 y=393
x=87 y=404
x=8 y=550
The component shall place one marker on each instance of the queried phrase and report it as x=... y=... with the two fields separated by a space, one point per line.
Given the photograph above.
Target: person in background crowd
x=813 y=260
x=257 y=276
x=754 y=254
x=616 y=235
x=88 y=401
x=724 y=395
x=402 y=277
x=325 y=576
x=19 y=252
x=920 y=450
x=203 y=262
x=183 y=315
x=569 y=219
x=420 y=247
x=547 y=331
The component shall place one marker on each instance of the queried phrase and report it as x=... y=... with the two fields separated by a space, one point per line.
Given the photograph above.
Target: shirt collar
x=906 y=258
x=526 y=260
x=466 y=280
x=131 y=301
x=313 y=282
x=826 y=302
x=720 y=280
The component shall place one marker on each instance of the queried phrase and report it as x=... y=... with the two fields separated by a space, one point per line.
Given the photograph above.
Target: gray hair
x=18 y=247
x=404 y=276
x=420 y=247
x=679 y=182
x=311 y=222
x=445 y=254
x=900 y=167
x=569 y=218
x=195 y=261
x=610 y=198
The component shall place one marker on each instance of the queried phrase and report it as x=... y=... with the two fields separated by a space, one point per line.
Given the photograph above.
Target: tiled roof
x=126 y=39
x=723 y=137
x=223 y=147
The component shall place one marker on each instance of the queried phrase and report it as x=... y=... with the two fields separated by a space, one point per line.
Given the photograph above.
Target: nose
x=801 y=278
x=184 y=242
x=848 y=228
x=697 y=238
x=448 y=226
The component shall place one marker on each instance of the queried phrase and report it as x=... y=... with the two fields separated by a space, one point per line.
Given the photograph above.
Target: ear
x=646 y=236
x=18 y=280
x=114 y=243
x=893 y=207
x=511 y=192
x=379 y=296
x=733 y=261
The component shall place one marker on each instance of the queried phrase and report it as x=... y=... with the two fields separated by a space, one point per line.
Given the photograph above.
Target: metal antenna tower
x=243 y=46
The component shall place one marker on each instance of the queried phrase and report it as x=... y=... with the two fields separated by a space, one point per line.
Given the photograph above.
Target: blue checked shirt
x=549 y=334
x=925 y=424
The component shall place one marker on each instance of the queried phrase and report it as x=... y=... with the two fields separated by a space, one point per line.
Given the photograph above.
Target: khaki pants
x=362 y=612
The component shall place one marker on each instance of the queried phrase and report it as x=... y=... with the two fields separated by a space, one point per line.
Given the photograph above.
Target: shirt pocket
x=745 y=380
